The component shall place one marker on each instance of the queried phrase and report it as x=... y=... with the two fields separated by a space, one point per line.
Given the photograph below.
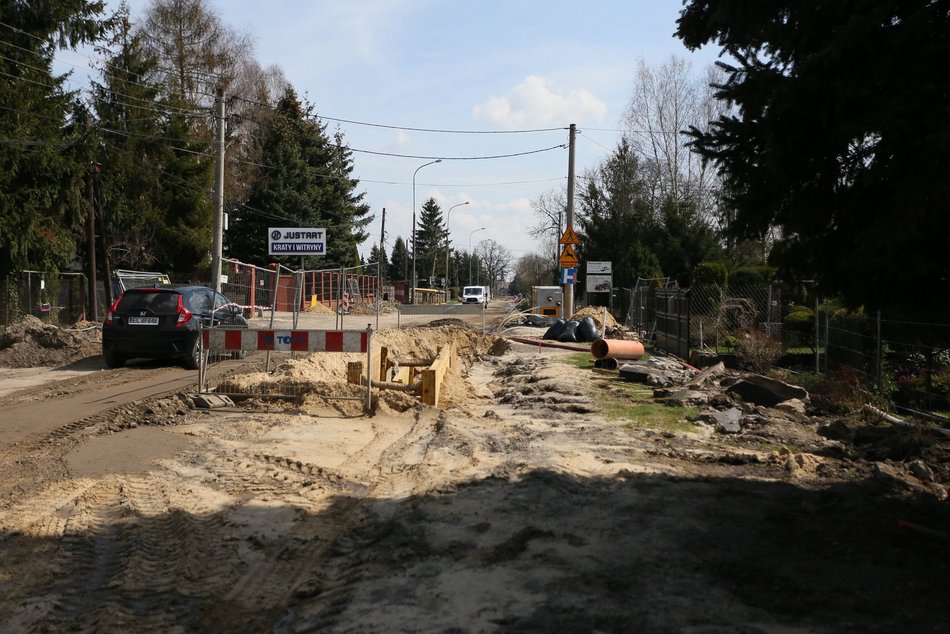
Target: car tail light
x=184 y=315
x=108 y=320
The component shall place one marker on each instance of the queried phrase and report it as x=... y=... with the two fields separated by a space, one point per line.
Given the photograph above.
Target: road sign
x=569 y=237
x=568 y=259
x=296 y=241
x=568 y=276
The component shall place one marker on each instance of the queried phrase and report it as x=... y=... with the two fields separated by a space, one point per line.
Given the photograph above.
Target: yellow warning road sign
x=569 y=237
x=568 y=259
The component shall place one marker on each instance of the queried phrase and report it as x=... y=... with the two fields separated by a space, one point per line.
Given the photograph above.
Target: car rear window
x=157 y=302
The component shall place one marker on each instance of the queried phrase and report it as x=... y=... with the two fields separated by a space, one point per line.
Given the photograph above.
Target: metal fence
x=908 y=361
x=59 y=298
x=472 y=315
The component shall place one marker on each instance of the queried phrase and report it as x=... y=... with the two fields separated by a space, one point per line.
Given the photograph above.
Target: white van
x=476 y=295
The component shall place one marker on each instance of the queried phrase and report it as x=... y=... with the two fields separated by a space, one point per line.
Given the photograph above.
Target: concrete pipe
x=616 y=349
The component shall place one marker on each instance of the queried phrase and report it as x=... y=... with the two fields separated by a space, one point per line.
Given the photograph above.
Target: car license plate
x=143 y=321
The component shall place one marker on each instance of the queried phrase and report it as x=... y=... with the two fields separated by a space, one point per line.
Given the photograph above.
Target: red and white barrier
x=231 y=339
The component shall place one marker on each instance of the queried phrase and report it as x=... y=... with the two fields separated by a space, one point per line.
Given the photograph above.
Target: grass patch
x=582 y=360
x=633 y=403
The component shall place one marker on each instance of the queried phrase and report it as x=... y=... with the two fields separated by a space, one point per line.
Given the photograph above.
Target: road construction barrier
x=396 y=375
x=218 y=341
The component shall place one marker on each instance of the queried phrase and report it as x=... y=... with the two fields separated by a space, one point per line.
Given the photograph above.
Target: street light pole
x=470 y=254
x=413 y=236
x=447 y=246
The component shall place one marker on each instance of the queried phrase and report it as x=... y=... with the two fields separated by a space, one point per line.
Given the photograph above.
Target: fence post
x=877 y=368
x=369 y=368
x=818 y=340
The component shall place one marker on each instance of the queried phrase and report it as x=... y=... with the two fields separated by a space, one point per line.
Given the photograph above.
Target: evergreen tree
x=399 y=263
x=130 y=126
x=430 y=241
x=377 y=255
x=309 y=185
x=837 y=135
x=44 y=164
x=616 y=218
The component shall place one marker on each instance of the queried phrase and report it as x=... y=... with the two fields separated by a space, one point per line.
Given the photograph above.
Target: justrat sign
x=296 y=241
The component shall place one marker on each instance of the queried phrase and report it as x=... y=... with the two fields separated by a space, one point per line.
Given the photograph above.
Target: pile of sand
x=597 y=314
x=323 y=374
x=319 y=308
x=31 y=343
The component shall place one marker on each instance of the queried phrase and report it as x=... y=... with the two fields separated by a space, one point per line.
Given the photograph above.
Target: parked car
x=163 y=322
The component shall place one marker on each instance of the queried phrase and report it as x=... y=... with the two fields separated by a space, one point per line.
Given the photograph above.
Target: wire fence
x=58 y=298
x=905 y=360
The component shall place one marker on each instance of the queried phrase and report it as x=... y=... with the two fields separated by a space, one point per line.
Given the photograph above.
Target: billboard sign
x=296 y=241
x=599 y=283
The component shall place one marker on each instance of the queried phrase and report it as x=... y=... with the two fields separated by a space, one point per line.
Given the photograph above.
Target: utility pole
x=569 y=288
x=103 y=259
x=216 y=245
x=379 y=267
x=93 y=314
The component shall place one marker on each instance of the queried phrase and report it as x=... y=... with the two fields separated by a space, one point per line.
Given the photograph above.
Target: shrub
x=800 y=319
x=751 y=276
x=840 y=391
x=758 y=351
x=709 y=273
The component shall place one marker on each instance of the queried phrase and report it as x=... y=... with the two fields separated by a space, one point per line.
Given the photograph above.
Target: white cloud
x=533 y=103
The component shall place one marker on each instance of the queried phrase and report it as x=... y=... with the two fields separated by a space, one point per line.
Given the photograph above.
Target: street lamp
x=470 y=253
x=447 y=246
x=413 y=280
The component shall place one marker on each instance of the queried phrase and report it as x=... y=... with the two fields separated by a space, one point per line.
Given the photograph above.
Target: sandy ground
x=518 y=505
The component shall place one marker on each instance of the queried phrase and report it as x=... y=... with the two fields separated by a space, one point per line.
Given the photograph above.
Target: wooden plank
x=383 y=363
x=354 y=372
x=433 y=375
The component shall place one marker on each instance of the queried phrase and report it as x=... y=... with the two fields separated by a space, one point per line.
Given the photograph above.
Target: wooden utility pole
x=104 y=260
x=216 y=245
x=93 y=314
x=569 y=288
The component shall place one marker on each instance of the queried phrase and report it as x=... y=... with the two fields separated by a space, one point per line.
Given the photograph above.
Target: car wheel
x=193 y=361
x=113 y=360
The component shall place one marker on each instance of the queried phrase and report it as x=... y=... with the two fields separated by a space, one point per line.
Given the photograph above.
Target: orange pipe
x=616 y=349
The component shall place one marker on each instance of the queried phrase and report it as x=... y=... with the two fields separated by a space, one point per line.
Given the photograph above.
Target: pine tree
x=308 y=186
x=44 y=158
x=430 y=241
x=399 y=263
x=377 y=255
x=837 y=136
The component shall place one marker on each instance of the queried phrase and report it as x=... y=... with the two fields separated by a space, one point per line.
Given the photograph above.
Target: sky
x=489 y=68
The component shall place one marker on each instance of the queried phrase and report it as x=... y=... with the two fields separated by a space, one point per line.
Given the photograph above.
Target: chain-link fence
x=907 y=361
x=718 y=316
x=59 y=298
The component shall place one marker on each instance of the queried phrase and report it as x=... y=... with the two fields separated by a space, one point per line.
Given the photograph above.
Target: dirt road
x=520 y=505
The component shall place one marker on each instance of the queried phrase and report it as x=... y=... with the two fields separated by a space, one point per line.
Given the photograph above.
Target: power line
x=460 y=158
x=408 y=128
x=441 y=131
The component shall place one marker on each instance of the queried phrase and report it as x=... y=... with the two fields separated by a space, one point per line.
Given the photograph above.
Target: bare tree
x=198 y=52
x=550 y=208
x=496 y=260
x=532 y=269
x=666 y=101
